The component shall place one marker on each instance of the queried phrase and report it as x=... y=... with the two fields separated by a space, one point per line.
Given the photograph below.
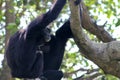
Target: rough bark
x=105 y=55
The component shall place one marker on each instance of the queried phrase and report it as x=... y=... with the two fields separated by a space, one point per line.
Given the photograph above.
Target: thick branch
x=93 y=28
x=77 y=29
x=105 y=55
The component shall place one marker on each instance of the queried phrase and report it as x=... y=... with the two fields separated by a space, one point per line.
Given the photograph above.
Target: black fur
x=23 y=55
x=26 y=63
x=77 y=2
x=30 y=55
x=57 y=44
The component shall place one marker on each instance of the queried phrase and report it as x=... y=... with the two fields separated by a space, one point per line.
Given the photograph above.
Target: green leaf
x=12 y=27
x=118 y=22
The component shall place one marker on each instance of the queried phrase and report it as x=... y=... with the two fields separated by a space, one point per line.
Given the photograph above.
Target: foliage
x=73 y=64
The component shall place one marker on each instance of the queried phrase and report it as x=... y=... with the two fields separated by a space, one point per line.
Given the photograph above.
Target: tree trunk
x=10 y=18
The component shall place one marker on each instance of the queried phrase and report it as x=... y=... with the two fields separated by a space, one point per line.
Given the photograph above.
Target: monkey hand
x=77 y=2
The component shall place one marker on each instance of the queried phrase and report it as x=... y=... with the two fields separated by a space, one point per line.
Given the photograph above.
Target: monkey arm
x=41 y=22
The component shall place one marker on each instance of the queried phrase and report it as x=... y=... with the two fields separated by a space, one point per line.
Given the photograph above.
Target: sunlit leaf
x=118 y=22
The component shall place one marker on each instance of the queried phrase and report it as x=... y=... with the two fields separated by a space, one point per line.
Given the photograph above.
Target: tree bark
x=105 y=55
x=10 y=18
x=93 y=28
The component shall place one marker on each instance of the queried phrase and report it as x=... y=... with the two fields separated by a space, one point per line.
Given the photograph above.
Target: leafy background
x=17 y=14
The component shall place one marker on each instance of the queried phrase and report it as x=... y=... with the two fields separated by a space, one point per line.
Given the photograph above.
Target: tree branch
x=92 y=27
x=89 y=77
x=77 y=30
x=88 y=71
x=105 y=55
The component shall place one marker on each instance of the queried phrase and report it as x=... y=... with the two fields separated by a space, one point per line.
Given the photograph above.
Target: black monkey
x=53 y=58
x=23 y=57
x=31 y=53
